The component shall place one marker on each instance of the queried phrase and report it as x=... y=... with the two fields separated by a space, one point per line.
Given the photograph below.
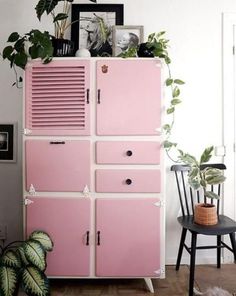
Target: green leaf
x=194 y=172
x=166 y=127
x=215 y=180
x=175 y=102
x=178 y=81
x=21 y=253
x=176 y=92
x=60 y=17
x=168 y=144
x=7 y=51
x=21 y=59
x=45 y=6
x=206 y=155
x=43 y=238
x=8 y=281
x=150 y=37
x=211 y=194
x=13 y=37
x=170 y=110
x=194 y=183
x=11 y=259
x=35 y=254
x=35 y=282
x=187 y=158
x=169 y=81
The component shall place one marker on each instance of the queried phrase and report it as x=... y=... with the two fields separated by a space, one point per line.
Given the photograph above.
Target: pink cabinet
x=57 y=165
x=109 y=180
x=128 y=237
x=127 y=152
x=128 y=97
x=57 y=98
x=67 y=221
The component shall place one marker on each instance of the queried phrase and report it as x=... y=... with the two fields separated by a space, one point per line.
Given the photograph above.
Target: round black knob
x=129 y=153
x=128 y=181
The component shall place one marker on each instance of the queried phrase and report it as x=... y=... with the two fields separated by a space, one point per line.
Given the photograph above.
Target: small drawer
x=128 y=181
x=131 y=152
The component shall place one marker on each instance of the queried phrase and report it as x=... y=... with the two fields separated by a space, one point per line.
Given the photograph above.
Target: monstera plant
x=22 y=265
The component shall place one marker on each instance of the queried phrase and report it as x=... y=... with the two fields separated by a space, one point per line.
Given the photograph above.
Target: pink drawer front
x=128 y=152
x=128 y=181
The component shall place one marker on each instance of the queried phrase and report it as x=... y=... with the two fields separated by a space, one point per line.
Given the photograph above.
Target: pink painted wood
x=56 y=97
x=66 y=221
x=129 y=237
x=128 y=180
x=130 y=96
x=57 y=167
x=127 y=152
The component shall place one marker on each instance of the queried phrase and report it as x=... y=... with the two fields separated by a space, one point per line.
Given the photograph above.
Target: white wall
x=194 y=28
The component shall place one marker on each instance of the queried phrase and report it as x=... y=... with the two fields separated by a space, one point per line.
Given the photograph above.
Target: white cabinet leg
x=148 y=282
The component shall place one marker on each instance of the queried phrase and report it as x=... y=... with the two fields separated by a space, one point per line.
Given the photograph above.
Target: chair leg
x=233 y=243
x=218 y=251
x=181 y=246
x=192 y=263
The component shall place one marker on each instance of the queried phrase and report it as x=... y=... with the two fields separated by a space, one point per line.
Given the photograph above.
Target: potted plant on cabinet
x=22 y=264
x=62 y=47
x=201 y=177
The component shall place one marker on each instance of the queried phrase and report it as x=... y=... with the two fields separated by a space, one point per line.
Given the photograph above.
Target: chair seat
x=225 y=225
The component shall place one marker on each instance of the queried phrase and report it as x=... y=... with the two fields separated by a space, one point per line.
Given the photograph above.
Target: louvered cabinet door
x=57 y=98
x=128 y=97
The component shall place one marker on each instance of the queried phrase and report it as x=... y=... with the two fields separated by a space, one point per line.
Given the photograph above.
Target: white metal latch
x=28 y=201
x=159 y=203
x=160 y=271
x=86 y=191
x=32 y=190
x=27 y=131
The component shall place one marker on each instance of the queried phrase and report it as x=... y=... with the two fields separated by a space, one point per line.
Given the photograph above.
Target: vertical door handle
x=98 y=238
x=87 y=238
x=99 y=96
x=87 y=95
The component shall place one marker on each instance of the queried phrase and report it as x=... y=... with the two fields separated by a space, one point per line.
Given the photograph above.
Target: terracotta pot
x=205 y=214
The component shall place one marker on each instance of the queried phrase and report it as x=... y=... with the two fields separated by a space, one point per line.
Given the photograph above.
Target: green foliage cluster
x=22 y=264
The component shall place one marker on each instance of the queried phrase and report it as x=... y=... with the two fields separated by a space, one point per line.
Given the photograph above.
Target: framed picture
x=8 y=133
x=125 y=37
x=92 y=26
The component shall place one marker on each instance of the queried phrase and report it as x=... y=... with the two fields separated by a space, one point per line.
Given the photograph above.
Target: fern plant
x=22 y=264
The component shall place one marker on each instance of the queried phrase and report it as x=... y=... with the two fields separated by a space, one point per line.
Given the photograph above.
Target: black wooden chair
x=188 y=197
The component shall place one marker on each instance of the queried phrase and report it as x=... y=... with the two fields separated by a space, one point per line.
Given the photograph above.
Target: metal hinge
x=159 y=203
x=86 y=191
x=160 y=271
x=28 y=201
x=233 y=50
x=32 y=190
x=27 y=131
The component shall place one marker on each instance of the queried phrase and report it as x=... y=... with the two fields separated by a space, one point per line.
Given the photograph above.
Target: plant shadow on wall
x=22 y=265
x=199 y=178
x=36 y=44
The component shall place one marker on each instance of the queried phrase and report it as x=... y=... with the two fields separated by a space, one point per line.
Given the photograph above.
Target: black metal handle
x=57 y=142
x=128 y=181
x=129 y=153
x=87 y=96
x=98 y=238
x=99 y=96
x=87 y=238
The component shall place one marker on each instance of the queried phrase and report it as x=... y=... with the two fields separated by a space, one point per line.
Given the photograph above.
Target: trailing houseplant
x=22 y=265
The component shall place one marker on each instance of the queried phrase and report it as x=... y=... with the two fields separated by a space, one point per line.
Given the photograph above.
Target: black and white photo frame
x=8 y=132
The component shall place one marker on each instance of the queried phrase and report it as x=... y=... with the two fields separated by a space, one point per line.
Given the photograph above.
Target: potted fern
x=201 y=177
x=62 y=46
x=22 y=265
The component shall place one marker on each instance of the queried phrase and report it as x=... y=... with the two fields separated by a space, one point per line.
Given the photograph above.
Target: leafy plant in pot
x=22 y=264
x=201 y=177
x=62 y=47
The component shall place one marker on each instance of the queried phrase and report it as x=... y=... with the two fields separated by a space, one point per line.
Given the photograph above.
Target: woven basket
x=205 y=214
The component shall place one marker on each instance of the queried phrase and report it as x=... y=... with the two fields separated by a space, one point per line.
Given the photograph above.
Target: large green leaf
x=45 y=6
x=21 y=253
x=60 y=17
x=35 y=254
x=11 y=259
x=35 y=282
x=43 y=238
x=8 y=281
x=211 y=194
x=206 y=155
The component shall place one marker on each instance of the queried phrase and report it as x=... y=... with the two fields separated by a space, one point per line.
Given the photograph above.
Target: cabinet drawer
x=131 y=152
x=57 y=165
x=128 y=181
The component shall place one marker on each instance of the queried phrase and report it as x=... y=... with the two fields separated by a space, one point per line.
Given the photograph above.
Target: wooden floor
x=175 y=283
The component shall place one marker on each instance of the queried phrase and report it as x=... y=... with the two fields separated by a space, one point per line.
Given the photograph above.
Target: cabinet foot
x=148 y=282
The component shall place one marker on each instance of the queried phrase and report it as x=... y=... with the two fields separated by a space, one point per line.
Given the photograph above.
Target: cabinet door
x=57 y=165
x=128 y=237
x=67 y=221
x=128 y=97
x=57 y=98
